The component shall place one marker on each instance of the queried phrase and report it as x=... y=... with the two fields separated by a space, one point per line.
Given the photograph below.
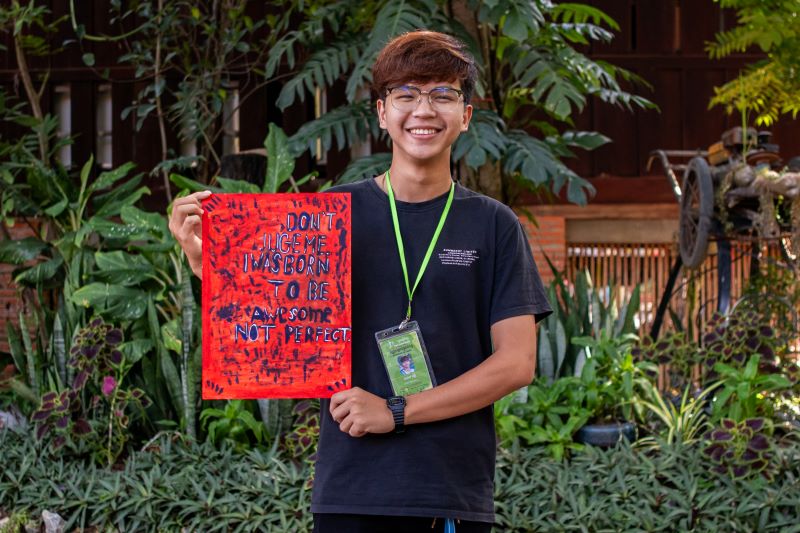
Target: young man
x=387 y=463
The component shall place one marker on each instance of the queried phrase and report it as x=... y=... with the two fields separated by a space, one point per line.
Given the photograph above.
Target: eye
x=444 y=95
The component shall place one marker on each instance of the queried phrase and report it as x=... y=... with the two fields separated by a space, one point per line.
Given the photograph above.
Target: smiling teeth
x=418 y=131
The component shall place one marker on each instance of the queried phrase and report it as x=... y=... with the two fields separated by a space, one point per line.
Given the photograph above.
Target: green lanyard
x=401 y=249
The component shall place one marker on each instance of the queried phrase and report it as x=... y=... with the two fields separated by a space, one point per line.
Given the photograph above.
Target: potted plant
x=609 y=386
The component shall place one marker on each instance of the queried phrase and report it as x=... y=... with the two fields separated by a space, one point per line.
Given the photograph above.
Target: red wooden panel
x=276 y=295
x=621 y=11
x=582 y=164
x=253 y=116
x=619 y=157
x=702 y=126
x=661 y=129
x=655 y=26
x=700 y=21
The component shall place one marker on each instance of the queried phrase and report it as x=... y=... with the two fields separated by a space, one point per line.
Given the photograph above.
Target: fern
x=534 y=161
x=771 y=87
x=483 y=140
x=347 y=125
x=323 y=68
x=366 y=167
x=394 y=18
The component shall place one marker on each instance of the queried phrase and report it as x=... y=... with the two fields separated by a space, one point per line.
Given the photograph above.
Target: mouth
x=423 y=133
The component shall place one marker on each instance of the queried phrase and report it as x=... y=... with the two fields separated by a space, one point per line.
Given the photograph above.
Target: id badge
x=406 y=359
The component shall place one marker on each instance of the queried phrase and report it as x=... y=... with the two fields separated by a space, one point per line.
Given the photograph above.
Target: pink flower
x=109 y=384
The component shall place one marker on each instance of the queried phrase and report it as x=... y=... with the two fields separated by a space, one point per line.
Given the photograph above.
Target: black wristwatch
x=397 y=405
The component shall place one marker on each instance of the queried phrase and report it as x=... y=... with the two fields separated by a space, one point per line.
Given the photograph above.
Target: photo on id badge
x=405 y=362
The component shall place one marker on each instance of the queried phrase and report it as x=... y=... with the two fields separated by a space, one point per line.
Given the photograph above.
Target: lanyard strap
x=401 y=249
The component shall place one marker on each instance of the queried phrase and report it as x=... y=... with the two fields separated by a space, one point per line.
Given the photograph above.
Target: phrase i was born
x=297 y=251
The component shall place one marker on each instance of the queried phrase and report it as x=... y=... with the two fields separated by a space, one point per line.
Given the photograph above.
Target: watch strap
x=397 y=405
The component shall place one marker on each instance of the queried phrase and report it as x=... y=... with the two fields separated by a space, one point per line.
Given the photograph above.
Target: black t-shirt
x=480 y=272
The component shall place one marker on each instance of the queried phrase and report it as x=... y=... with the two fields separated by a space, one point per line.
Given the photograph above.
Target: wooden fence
x=695 y=295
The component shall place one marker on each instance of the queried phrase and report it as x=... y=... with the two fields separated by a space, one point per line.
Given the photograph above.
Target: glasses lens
x=444 y=99
x=405 y=98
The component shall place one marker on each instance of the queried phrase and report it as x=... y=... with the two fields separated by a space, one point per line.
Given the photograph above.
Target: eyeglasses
x=406 y=98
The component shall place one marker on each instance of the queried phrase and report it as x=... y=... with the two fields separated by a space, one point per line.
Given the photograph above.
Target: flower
x=109 y=384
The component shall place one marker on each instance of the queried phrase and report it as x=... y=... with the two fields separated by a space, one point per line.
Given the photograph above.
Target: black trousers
x=352 y=523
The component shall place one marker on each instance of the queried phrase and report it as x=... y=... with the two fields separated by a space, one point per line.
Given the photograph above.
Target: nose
x=424 y=107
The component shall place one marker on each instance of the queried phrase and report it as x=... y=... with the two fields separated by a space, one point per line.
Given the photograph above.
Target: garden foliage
x=174 y=485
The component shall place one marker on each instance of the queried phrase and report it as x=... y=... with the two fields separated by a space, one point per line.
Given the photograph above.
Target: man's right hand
x=184 y=223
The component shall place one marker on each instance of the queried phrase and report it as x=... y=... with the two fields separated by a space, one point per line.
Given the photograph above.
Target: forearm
x=510 y=367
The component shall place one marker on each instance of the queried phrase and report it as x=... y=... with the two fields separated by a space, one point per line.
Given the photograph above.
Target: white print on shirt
x=449 y=256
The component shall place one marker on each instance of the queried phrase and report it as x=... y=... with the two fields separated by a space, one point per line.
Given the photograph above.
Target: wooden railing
x=695 y=296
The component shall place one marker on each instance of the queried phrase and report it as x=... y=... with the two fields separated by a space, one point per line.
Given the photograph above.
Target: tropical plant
x=683 y=424
x=611 y=382
x=530 y=66
x=741 y=449
x=549 y=417
x=769 y=87
x=234 y=424
x=580 y=310
x=94 y=409
x=211 y=48
x=745 y=393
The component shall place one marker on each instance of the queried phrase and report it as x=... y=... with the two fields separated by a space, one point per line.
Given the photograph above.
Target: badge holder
x=406 y=359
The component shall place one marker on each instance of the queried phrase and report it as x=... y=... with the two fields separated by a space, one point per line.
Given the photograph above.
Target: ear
x=466 y=117
x=381 y=107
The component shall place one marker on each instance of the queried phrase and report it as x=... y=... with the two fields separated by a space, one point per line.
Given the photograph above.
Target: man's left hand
x=359 y=412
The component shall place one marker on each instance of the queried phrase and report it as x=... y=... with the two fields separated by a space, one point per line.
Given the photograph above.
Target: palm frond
x=365 y=167
x=323 y=68
x=535 y=163
x=392 y=19
x=347 y=125
x=483 y=140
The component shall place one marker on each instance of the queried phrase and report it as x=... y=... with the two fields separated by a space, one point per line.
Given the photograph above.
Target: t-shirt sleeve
x=517 y=288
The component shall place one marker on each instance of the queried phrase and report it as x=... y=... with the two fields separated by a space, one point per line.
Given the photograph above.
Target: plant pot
x=606 y=435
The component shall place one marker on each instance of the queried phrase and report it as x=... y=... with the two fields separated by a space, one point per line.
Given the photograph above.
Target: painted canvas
x=276 y=295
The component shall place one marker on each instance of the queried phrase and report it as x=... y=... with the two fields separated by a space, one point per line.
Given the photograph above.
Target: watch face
x=396 y=400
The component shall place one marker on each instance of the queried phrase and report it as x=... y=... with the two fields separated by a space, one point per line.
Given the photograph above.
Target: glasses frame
x=421 y=94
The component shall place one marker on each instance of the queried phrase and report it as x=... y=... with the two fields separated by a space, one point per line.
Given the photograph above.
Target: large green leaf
x=483 y=140
x=366 y=167
x=107 y=179
x=237 y=186
x=153 y=223
x=40 y=272
x=347 y=125
x=122 y=268
x=280 y=163
x=19 y=251
x=168 y=369
x=191 y=185
x=393 y=19
x=321 y=70
x=135 y=349
x=116 y=303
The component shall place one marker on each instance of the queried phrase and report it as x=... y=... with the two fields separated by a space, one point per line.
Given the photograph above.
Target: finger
x=179 y=214
x=195 y=197
x=346 y=425
x=356 y=433
x=338 y=399
x=191 y=229
x=340 y=413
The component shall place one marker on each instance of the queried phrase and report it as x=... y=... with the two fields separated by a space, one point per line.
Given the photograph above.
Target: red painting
x=276 y=295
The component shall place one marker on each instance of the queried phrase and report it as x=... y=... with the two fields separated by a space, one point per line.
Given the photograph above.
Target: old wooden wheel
x=697 y=210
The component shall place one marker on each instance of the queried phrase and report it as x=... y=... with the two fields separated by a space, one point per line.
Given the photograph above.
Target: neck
x=417 y=183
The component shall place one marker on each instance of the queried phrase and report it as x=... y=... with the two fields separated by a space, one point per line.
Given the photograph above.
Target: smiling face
x=424 y=135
